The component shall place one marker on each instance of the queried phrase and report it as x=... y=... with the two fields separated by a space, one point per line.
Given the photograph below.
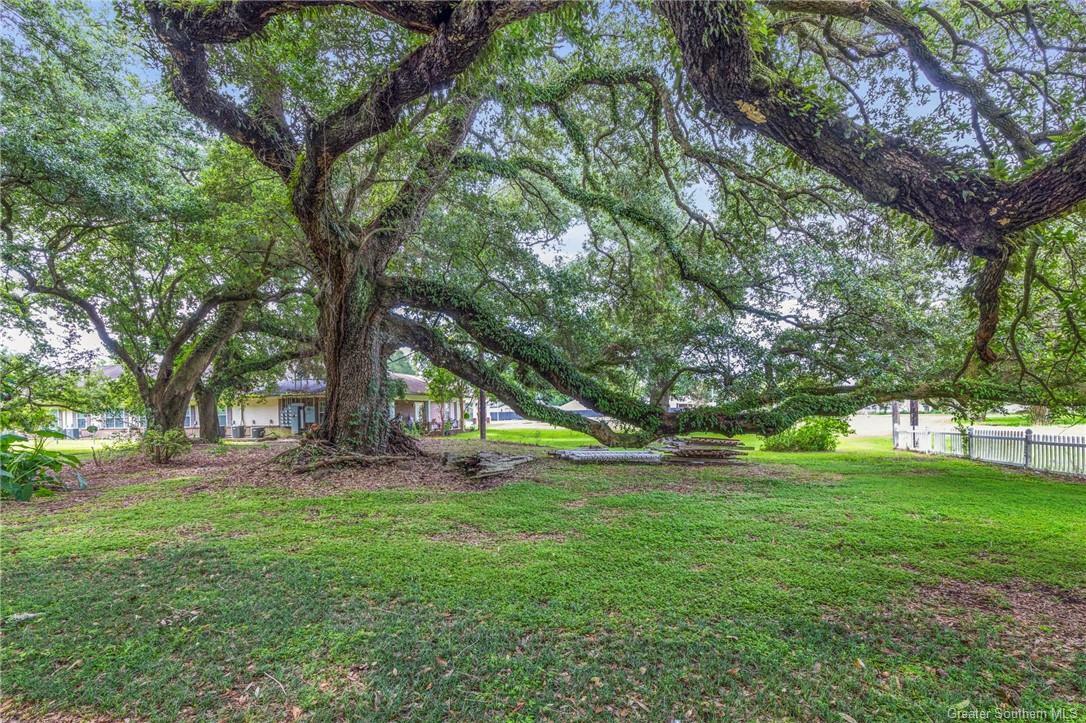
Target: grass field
x=541 y=436
x=858 y=585
x=85 y=447
x=1006 y=420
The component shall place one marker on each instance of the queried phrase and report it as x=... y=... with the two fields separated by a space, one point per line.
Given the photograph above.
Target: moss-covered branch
x=430 y=344
x=543 y=358
x=754 y=416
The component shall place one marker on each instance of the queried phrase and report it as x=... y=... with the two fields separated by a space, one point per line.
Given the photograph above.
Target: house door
x=297 y=417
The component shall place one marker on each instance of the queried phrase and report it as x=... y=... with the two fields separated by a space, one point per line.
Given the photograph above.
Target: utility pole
x=914 y=419
x=895 y=420
x=482 y=405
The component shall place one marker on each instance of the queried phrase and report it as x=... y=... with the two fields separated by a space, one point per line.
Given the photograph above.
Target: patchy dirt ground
x=216 y=467
x=1039 y=627
x=1042 y=621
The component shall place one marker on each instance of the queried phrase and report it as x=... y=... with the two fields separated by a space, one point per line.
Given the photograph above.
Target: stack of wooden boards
x=703 y=450
x=673 y=450
x=598 y=455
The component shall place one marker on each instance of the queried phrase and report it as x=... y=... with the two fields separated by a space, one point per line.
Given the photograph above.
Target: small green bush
x=161 y=446
x=26 y=468
x=813 y=434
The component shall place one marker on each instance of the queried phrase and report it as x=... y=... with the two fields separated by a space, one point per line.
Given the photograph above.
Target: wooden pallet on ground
x=708 y=453
x=604 y=456
x=711 y=441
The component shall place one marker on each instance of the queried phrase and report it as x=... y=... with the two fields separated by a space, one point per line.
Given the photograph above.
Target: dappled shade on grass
x=794 y=587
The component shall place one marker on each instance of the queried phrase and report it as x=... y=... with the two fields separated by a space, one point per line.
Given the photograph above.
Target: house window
x=114 y=420
x=222 y=419
x=190 y=417
x=320 y=411
x=80 y=420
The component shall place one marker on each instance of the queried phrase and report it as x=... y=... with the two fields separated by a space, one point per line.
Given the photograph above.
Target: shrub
x=25 y=468
x=813 y=434
x=161 y=446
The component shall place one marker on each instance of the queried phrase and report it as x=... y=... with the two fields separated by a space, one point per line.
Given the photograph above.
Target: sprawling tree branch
x=233 y=375
x=966 y=208
x=270 y=142
x=428 y=343
x=389 y=228
x=915 y=43
x=63 y=293
x=460 y=31
x=1051 y=191
x=435 y=64
x=766 y=416
x=229 y=22
x=540 y=356
x=659 y=228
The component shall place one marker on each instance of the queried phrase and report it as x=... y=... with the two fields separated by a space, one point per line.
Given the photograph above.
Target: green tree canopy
x=778 y=208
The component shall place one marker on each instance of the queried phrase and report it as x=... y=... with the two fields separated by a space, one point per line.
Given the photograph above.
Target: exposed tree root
x=313 y=454
x=399 y=442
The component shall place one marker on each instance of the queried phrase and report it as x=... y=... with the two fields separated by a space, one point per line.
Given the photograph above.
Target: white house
x=294 y=405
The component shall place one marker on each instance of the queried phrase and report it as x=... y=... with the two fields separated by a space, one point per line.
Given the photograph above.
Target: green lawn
x=86 y=448
x=807 y=587
x=552 y=437
x=80 y=446
x=1006 y=420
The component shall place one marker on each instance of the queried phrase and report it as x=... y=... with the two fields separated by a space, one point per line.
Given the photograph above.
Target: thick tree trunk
x=207 y=411
x=167 y=411
x=357 y=381
x=661 y=394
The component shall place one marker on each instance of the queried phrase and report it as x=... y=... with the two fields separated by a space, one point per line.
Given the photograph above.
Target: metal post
x=914 y=419
x=895 y=421
x=1029 y=447
x=482 y=404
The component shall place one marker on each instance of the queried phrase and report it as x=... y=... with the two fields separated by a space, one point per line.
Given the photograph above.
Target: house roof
x=111 y=371
x=414 y=384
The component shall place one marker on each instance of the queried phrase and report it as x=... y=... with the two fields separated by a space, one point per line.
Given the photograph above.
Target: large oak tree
x=118 y=216
x=364 y=166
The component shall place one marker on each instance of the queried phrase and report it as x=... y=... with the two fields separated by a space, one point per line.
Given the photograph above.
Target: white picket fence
x=1016 y=447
